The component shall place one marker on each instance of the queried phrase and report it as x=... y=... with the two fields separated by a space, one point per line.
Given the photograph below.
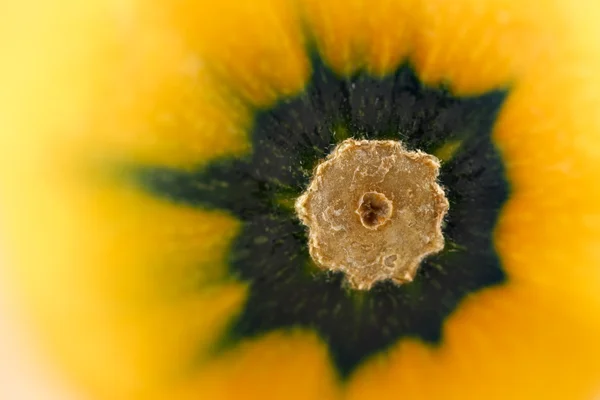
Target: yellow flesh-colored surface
x=109 y=272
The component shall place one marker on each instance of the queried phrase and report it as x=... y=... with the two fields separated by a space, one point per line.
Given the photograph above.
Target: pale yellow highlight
x=107 y=79
x=125 y=288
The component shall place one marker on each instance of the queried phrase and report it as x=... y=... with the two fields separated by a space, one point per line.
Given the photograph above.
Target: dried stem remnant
x=374 y=210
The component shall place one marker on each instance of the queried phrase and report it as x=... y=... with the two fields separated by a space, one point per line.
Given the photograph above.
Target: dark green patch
x=271 y=252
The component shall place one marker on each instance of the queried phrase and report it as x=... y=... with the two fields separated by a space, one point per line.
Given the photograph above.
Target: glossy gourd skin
x=134 y=283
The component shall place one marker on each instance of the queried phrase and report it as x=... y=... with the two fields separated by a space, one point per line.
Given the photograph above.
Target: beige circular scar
x=374 y=211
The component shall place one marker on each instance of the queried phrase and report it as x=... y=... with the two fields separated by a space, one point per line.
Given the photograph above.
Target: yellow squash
x=133 y=293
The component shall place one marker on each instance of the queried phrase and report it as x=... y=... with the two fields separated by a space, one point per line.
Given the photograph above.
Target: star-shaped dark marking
x=288 y=140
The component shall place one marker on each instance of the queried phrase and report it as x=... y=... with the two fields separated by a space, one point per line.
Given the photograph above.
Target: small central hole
x=374 y=210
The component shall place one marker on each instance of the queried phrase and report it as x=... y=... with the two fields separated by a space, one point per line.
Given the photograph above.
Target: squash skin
x=548 y=135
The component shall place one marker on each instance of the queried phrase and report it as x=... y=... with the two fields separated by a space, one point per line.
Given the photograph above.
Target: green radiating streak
x=286 y=201
x=448 y=150
x=341 y=133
